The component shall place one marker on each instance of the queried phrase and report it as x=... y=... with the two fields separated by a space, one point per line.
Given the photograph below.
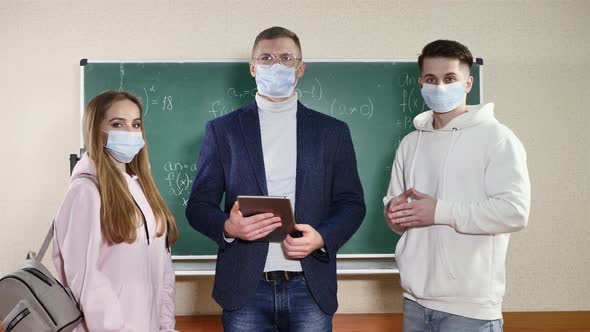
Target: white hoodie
x=476 y=169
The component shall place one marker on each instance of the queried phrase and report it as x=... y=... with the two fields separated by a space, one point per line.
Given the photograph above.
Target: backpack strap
x=89 y=177
x=41 y=253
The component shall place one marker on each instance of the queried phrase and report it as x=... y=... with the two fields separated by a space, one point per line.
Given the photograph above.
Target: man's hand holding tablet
x=275 y=206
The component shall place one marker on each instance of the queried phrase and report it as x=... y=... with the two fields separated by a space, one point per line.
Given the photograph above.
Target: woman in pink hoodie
x=113 y=229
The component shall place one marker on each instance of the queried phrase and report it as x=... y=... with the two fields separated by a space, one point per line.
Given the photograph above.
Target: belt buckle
x=275 y=276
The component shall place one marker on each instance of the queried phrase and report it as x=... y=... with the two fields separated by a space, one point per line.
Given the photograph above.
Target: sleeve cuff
x=228 y=239
x=443 y=214
x=386 y=200
x=326 y=249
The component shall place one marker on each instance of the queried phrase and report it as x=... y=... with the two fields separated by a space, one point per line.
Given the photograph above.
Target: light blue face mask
x=443 y=98
x=124 y=145
x=276 y=81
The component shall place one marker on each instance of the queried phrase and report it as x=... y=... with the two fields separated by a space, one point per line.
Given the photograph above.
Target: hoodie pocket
x=399 y=249
x=463 y=266
x=400 y=244
x=444 y=256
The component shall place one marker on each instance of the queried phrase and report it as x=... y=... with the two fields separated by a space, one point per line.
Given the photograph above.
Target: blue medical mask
x=276 y=81
x=443 y=98
x=124 y=145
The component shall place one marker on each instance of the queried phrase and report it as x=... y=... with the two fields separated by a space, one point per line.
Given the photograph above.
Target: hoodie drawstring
x=145 y=227
x=444 y=173
x=412 y=182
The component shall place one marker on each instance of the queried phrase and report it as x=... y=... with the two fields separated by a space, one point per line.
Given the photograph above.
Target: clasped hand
x=418 y=213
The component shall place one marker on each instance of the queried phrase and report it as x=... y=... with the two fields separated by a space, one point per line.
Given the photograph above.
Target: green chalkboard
x=378 y=100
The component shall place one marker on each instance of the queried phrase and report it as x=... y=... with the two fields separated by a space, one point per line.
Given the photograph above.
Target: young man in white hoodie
x=459 y=186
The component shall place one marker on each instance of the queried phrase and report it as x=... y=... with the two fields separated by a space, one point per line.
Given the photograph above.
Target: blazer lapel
x=251 y=130
x=306 y=147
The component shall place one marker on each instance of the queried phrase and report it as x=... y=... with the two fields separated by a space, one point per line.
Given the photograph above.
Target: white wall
x=536 y=65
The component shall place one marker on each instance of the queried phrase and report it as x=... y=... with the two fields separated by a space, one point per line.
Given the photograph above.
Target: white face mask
x=124 y=145
x=443 y=98
x=276 y=81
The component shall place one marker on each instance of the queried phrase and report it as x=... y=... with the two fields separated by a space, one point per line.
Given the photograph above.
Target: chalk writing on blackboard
x=315 y=92
x=121 y=76
x=412 y=101
x=234 y=93
x=218 y=108
x=152 y=98
x=178 y=179
x=363 y=110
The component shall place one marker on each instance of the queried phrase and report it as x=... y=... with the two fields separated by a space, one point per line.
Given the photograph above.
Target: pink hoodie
x=123 y=287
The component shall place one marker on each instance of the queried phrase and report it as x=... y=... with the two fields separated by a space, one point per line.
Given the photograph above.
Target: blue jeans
x=419 y=319
x=279 y=306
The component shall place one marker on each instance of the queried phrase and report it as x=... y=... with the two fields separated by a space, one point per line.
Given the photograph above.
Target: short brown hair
x=277 y=32
x=446 y=49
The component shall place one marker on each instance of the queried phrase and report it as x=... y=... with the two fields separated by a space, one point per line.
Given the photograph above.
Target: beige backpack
x=32 y=300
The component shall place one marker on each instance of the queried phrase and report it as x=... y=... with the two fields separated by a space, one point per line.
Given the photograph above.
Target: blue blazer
x=329 y=197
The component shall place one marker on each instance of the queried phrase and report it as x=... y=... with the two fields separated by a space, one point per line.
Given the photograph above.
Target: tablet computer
x=278 y=205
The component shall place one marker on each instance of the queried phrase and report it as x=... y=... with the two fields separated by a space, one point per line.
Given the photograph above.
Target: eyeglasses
x=267 y=60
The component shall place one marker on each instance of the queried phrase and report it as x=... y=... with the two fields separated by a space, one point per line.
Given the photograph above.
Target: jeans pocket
x=496 y=325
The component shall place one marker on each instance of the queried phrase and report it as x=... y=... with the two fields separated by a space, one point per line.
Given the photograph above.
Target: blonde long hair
x=119 y=214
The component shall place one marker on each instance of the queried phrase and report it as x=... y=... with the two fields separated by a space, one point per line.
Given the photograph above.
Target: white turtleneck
x=278 y=131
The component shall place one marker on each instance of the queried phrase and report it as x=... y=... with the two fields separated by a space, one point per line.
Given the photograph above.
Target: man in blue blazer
x=278 y=147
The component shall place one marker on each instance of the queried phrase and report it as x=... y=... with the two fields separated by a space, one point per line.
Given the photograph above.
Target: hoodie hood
x=85 y=166
x=475 y=115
